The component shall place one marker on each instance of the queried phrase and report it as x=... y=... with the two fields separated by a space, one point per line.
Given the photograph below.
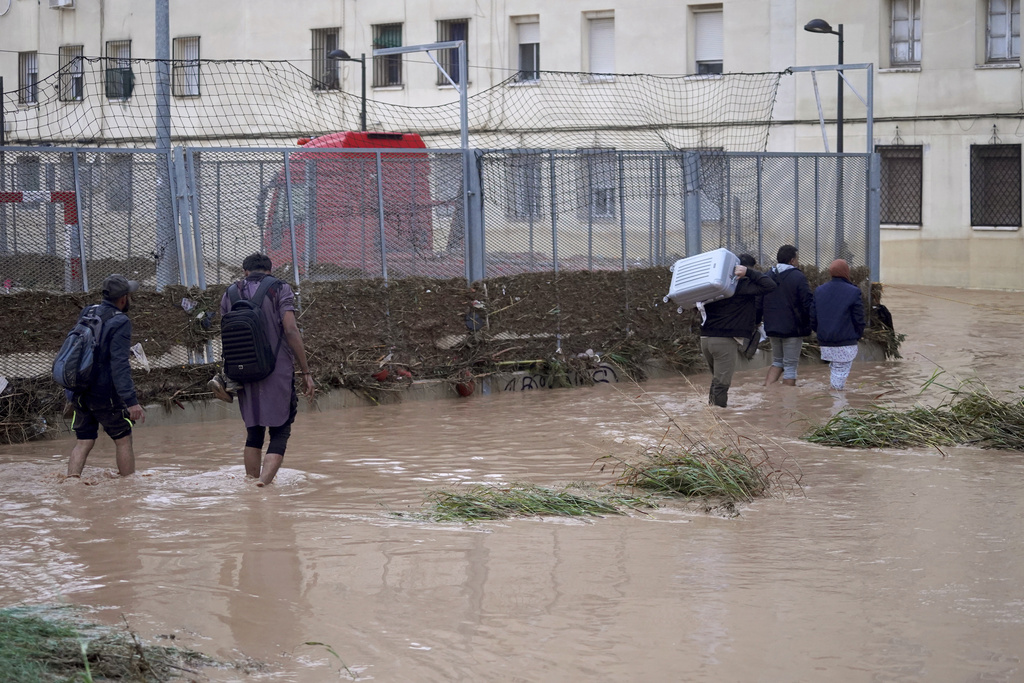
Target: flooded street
x=888 y=565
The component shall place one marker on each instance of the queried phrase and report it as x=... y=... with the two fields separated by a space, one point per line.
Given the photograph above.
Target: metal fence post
x=380 y=218
x=172 y=193
x=291 y=215
x=873 y=227
x=622 y=207
x=817 y=212
x=477 y=266
x=796 y=202
x=197 y=235
x=554 y=213
x=184 y=217
x=78 y=221
x=760 y=206
x=692 y=226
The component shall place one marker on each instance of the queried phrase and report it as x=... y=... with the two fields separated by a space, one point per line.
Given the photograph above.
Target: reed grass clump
x=487 y=502
x=970 y=416
x=38 y=646
x=699 y=469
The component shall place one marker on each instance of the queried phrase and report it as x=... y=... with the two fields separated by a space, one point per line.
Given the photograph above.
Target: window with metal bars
x=449 y=30
x=387 y=70
x=902 y=183
x=117 y=185
x=905 y=41
x=72 y=73
x=525 y=186
x=1003 y=31
x=185 y=76
x=325 y=69
x=529 y=51
x=28 y=78
x=598 y=172
x=120 y=81
x=995 y=186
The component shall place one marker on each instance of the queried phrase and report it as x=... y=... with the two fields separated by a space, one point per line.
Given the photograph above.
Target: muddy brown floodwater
x=891 y=565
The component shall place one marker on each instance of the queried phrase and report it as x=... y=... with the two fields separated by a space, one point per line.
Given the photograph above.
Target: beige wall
x=945 y=105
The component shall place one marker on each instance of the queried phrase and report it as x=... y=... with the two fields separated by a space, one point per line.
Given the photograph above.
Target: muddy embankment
x=415 y=328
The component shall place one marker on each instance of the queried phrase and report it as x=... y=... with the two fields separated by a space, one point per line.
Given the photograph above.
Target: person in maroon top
x=271 y=403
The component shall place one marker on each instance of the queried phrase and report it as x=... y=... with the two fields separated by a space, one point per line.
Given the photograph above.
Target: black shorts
x=90 y=415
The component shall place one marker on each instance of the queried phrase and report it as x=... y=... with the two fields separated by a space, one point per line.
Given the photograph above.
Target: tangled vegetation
x=970 y=415
x=37 y=647
x=489 y=502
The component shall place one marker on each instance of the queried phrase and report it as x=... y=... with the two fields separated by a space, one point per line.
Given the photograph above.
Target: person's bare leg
x=76 y=463
x=774 y=373
x=124 y=455
x=271 y=464
x=252 y=457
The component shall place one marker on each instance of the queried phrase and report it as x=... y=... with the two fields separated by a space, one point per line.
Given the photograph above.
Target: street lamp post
x=343 y=56
x=822 y=26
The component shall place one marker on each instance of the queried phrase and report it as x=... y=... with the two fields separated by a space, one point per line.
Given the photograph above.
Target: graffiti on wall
x=602 y=374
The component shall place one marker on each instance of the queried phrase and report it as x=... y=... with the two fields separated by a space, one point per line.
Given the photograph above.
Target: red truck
x=335 y=207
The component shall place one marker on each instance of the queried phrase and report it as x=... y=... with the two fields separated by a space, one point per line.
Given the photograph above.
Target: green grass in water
x=698 y=470
x=27 y=644
x=481 y=502
x=967 y=418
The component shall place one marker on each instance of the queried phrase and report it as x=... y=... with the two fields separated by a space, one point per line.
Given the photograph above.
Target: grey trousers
x=720 y=353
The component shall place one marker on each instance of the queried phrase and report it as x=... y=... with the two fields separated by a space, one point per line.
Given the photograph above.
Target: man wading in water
x=268 y=402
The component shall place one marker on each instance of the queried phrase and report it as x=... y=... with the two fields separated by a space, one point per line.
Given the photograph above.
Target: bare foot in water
x=259 y=483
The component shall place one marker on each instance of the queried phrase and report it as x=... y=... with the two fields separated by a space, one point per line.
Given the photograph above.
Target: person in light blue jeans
x=787 y=315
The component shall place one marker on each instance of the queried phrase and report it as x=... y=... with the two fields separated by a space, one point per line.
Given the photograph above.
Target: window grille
x=28 y=78
x=525 y=186
x=117 y=184
x=601 y=34
x=995 y=185
x=185 y=78
x=325 y=69
x=387 y=70
x=906 y=32
x=120 y=81
x=1003 y=31
x=902 y=182
x=597 y=183
x=708 y=40
x=455 y=29
x=529 y=52
x=72 y=73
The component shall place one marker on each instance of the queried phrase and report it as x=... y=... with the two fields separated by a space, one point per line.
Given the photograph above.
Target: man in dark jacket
x=787 y=316
x=838 y=319
x=111 y=400
x=729 y=324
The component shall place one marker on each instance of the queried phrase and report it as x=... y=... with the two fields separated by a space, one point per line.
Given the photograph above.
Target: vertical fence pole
x=874 y=216
x=78 y=221
x=554 y=213
x=218 y=208
x=184 y=207
x=309 y=211
x=656 y=226
x=590 y=211
x=291 y=214
x=532 y=200
x=663 y=244
x=728 y=204
x=650 y=212
x=179 y=258
x=796 y=202
x=760 y=206
x=622 y=207
x=817 y=212
x=197 y=235
x=691 y=203
x=474 y=215
x=380 y=218
x=840 y=209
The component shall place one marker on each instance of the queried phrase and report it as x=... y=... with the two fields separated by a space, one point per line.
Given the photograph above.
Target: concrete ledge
x=433 y=389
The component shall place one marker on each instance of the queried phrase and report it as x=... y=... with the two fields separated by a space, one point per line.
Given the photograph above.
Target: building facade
x=948 y=96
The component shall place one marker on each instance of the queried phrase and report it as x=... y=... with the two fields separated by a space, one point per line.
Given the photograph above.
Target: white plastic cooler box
x=705 y=277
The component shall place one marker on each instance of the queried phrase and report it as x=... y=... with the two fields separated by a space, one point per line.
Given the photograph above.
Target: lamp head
x=818 y=26
x=340 y=54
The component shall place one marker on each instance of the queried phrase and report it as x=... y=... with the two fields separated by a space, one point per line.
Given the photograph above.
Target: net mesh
x=96 y=100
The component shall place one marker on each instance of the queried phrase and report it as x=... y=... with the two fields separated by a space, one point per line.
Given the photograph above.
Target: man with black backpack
x=257 y=319
x=100 y=386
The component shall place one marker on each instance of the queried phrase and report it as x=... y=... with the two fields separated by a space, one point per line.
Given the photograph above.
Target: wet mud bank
x=371 y=341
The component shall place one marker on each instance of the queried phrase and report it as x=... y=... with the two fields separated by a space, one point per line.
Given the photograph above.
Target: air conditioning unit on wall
x=62 y=4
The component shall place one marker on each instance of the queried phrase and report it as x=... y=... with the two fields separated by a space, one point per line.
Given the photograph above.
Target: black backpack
x=248 y=356
x=75 y=365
